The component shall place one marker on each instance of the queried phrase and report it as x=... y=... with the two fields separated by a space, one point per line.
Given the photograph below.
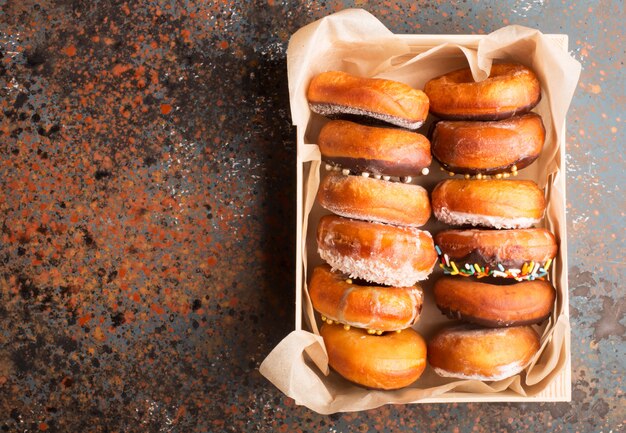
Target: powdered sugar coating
x=402 y=274
x=451 y=217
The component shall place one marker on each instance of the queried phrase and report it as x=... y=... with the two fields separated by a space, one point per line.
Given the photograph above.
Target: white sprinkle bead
x=425 y=171
x=328 y=167
x=365 y=174
x=377 y=176
x=386 y=177
x=406 y=179
x=345 y=172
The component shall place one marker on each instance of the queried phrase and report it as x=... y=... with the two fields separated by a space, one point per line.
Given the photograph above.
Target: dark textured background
x=147 y=209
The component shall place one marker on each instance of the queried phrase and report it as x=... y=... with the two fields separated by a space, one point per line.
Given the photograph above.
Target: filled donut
x=374 y=200
x=376 y=252
x=490 y=147
x=375 y=308
x=521 y=254
x=494 y=203
x=373 y=150
x=510 y=89
x=467 y=352
x=492 y=305
x=337 y=94
x=390 y=361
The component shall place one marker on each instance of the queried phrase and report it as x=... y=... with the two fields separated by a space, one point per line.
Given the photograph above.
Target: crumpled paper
x=356 y=42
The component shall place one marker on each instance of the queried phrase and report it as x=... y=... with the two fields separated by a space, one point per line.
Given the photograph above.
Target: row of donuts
x=496 y=341
x=374 y=243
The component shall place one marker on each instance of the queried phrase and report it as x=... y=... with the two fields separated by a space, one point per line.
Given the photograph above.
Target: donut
x=337 y=94
x=373 y=150
x=376 y=252
x=495 y=203
x=510 y=89
x=374 y=200
x=490 y=147
x=375 y=308
x=390 y=361
x=522 y=254
x=467 y=352
x=524 y=303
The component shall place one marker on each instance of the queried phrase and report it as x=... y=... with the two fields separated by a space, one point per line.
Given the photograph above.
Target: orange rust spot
x=119 y=69
x=70 y=50
x=166 y=108
x=125 y=9
x=136 y=297
x=43 y=426
x=157 y=309
x=211 y=261
x=223 y=45
x=84 y=319
x=186 y=35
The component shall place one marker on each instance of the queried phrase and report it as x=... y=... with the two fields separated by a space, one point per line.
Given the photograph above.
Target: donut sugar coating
x=376 y=308
x=521 y=254
x=389 y=361
x=524 y=303
x=376 y=252
x=470 y=352
x=488 y=147
x=493 y=203
x=337 y=94
x=510 y=89
x=374 y=150
x=371 y=199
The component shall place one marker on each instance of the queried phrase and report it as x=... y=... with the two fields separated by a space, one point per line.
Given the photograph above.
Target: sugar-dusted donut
x=375 y=308
x=374 y=200
x=495 y=203
x=337 y=94
x=468 y=352
x=375 y=252
x=510 y=89
x=490 y=147
x=390 y=361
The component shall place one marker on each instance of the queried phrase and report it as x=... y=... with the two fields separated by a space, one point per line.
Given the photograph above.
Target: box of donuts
x=431 y=256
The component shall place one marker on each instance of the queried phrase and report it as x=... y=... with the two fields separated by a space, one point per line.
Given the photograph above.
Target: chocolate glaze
x=340 y=112
x=520 y=163
x=457 y=315
x=376 y=166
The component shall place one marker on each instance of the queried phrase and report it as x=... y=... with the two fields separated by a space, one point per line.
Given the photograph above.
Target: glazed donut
x=490 y=305
x=522 y=254
x=510 y=89
x=492 y=147
x=467 y=352
x=374 y=308
x=375 y=252
x=501 y=204
x=374 y=150
x=390 y=361
x=337 y=94
x=374 y=200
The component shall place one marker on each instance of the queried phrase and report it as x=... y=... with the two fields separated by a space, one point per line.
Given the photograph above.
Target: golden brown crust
x=380 y=253
x=488 y=203
x=483 y=354
x=370 y=307
x=387 y=151
x=391 y=361
x=375 y=200
x=492 y=305
x=510 y=89
x=470 y=147
x=337 y=92
x=510 y=248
